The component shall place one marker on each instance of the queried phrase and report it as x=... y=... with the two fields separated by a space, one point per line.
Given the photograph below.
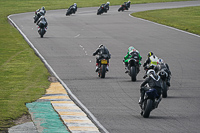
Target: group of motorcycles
x=151 y=99
x=40 y=20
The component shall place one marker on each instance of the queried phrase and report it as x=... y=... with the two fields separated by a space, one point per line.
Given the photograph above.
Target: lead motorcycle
x=164 y=77
x=71 y=10
x=102 y=66
x=133 y=66
x=102 y=9
x=124 y=6
x=150 y=102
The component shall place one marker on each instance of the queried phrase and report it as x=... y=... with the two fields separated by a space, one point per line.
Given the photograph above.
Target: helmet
x=100 y=45
x=150 y=54
x=160 y=61
x=75 y=4
x=108 y=3
x=43 y=8
x=150 y=71
x=130 y=48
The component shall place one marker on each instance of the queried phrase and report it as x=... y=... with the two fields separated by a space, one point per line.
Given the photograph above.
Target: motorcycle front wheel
x=147 y=108
x=133 y=73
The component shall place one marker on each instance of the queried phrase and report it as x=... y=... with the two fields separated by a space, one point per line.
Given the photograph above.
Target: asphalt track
x=68 y=46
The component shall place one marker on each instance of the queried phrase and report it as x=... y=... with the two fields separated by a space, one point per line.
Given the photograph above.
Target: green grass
x=187 y=18
x=23 y=75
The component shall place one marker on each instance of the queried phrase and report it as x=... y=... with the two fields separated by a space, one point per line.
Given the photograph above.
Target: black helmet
x=150 y=54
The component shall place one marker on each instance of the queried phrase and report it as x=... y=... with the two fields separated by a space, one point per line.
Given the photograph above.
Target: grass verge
x=23 y=75
x=187 y=18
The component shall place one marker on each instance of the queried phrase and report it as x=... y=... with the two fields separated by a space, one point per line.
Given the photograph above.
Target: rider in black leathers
x=163 y=66
x=106 y=6
x=101 y=51
x=73 y=7
x=154 y=81
x=42 y=21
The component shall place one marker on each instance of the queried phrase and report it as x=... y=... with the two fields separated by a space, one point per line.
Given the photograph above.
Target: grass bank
x=23 y=75
x=187 y=18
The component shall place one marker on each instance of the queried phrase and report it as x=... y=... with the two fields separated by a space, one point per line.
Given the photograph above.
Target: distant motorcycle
x=71 y=10
x=102 y=9
x=124 y=6
x=164 y=77
x=133 y=66
x=102 y=66
x=150 y=102
x=38 y=15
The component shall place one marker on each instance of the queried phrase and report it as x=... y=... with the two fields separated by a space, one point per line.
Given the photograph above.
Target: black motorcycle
x=102 y=66
x=42 y=30
x=71 y=10
x=150 y=102
x=164 y=77
x=125 y=6
x=38 y=15
x=102 y=9
x=133 y=66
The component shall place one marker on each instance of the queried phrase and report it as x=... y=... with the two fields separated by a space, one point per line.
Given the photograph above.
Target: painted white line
x=77 y=36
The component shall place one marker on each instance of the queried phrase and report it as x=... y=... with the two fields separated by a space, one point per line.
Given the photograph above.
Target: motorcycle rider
x=154 y=81
x=151 y=62
x=42 y=21
x=73 y=7
x=128 y=57
x=106 y=6
x=38 y=10
x=163 y=66
x=126 y=5
x=102 y=51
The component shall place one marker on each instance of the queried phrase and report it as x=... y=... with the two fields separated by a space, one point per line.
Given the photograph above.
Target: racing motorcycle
x=102 y=9
x=124 y=6
x=164 y=77
x=102 y=66
x=71 y=10
x=150 y=102
x=133 y=66
x=38 y=15
x=42 y=30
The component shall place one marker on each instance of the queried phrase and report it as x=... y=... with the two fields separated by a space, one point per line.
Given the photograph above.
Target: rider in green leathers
x=128 y=56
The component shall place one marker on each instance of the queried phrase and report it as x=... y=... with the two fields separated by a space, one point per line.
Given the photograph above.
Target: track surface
x=68 y=46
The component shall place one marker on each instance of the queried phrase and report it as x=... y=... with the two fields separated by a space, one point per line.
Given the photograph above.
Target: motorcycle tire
x=133 y=73
x=147 y=108
x=42 y=31
x=119 y=9
x=68 y=13
x=103 y=71
x=164 y=92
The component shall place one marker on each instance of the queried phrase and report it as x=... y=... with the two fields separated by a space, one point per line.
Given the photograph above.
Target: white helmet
x=100 y=45
x=75 y=4
x=151 y=71
x=108 y=3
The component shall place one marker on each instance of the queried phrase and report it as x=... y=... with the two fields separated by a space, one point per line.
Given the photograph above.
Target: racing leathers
x=103 y=53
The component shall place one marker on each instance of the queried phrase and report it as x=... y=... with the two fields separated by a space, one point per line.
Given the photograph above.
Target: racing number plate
x=103 y=61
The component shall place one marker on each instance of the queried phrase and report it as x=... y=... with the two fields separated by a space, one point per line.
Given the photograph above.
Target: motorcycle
x=150 y=102
x=38 y=15
x=164 y=77
x=125 y=6
x=101 y=10
x=102 y=66
x=70 y=11
x=133 y=66
x=42 y=30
